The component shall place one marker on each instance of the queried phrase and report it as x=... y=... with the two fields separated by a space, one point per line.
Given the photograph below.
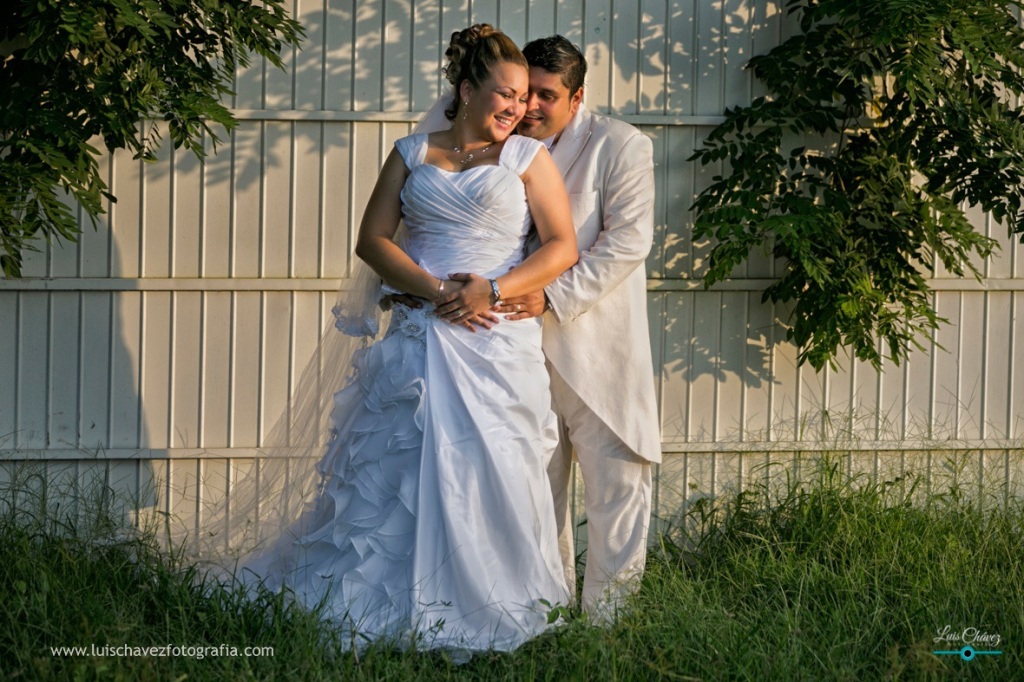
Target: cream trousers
x=617 y=503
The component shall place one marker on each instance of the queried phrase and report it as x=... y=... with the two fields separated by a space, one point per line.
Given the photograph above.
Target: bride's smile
x=493 y=110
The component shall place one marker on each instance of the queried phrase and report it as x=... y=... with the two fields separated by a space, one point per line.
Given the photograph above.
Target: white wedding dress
x=435 y=522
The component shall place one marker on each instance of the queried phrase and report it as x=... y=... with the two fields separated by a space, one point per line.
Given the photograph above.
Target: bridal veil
x=264 y=498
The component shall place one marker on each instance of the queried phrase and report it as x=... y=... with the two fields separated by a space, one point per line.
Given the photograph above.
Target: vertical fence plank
x=339 y=27
x=215 y=202
x=275 y=333
x=682 y=62
x=767 y=21
x=623 y=38
x=245 y=369
x=215 y=391
x=277 y=197
x=31 y=428
x=704 y=384
x=540 y=18
x=369 y=56
x=677 y=366
x=839 y=399
x=1015 y=372
x=368 y=154
x=891 y=400
x=63 y=388
x=709 y=49
x=96 y=348
x=679 y=251
x=972 y=339
x=397 y=51
x=94 y=491
x=309 y=63
x=36 y=260
x=126 y=216
x=511 y=18
x=730 y=407
x=946 y=368
x=186 y=232
x=158 y=211
x=155 y=370
x=486 y=12
x=307 y=150
x=94 y=247
x=428 y=43
x=673 y=493
x=569 y=21
x=126 y=370
x=64 y=254
x=656 y=317
x=453 y=16
x=652 y=79
x=339 y=220
x=656 y=258
x=184 y=494
x=187 y=367
x=785 y=415
x=126 y=496
x=247 y=183
x=595 y=45
x=757 y=369
x=9 y=362
x=738 y=24
x=62 y=491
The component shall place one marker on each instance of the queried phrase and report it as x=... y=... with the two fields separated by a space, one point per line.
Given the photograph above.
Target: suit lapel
x=573 y=140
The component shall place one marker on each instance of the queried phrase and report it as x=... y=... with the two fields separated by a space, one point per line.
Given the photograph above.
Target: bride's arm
x=549 y=206
x=375 y=244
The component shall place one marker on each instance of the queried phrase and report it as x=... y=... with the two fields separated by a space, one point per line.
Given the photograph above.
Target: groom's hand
x=521 y=307
x=387 y=302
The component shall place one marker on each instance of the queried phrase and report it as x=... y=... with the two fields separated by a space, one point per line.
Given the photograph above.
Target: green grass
x=821 y=580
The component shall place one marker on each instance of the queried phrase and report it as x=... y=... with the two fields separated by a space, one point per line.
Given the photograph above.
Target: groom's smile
x=549 y=107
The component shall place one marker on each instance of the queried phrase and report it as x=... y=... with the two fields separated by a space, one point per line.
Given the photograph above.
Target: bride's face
x=497 y=106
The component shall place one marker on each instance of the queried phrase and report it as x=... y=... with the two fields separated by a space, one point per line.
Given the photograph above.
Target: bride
x=434 y=519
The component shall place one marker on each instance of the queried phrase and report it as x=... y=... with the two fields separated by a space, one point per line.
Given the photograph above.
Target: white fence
x=157 y=352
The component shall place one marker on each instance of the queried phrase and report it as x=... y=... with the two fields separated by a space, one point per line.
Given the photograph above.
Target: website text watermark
x=161 y=651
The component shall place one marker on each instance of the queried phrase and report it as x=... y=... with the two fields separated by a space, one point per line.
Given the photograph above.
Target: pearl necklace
x=458 y=150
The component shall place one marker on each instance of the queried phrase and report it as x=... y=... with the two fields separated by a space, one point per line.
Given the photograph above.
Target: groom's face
x=550 y=105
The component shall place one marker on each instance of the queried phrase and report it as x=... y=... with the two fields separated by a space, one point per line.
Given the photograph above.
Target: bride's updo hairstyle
x=471 y=55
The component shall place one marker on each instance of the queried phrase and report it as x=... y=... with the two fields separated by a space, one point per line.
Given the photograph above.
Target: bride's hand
x=466 y=296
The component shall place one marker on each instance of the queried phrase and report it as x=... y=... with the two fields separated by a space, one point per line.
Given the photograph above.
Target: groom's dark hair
x=557 y=55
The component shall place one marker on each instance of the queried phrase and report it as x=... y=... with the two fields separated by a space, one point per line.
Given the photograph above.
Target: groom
x=595 y=335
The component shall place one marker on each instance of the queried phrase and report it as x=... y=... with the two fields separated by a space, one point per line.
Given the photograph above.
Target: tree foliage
x=78 y=70
x=905 y=111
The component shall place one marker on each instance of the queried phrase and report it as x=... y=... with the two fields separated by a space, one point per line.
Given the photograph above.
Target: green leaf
x=82 y=71
x=905 y=111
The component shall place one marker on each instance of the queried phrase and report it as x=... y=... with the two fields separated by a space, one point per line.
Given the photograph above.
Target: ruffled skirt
x=435 y=524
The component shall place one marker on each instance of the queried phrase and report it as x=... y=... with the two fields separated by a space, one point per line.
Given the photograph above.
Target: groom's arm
x=627 y=216
x=627 y=233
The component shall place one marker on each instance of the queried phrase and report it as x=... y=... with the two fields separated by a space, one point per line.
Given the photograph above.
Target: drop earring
x=465 y=109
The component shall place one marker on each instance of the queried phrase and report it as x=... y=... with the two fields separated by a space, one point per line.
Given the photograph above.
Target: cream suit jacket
x=598 y=339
